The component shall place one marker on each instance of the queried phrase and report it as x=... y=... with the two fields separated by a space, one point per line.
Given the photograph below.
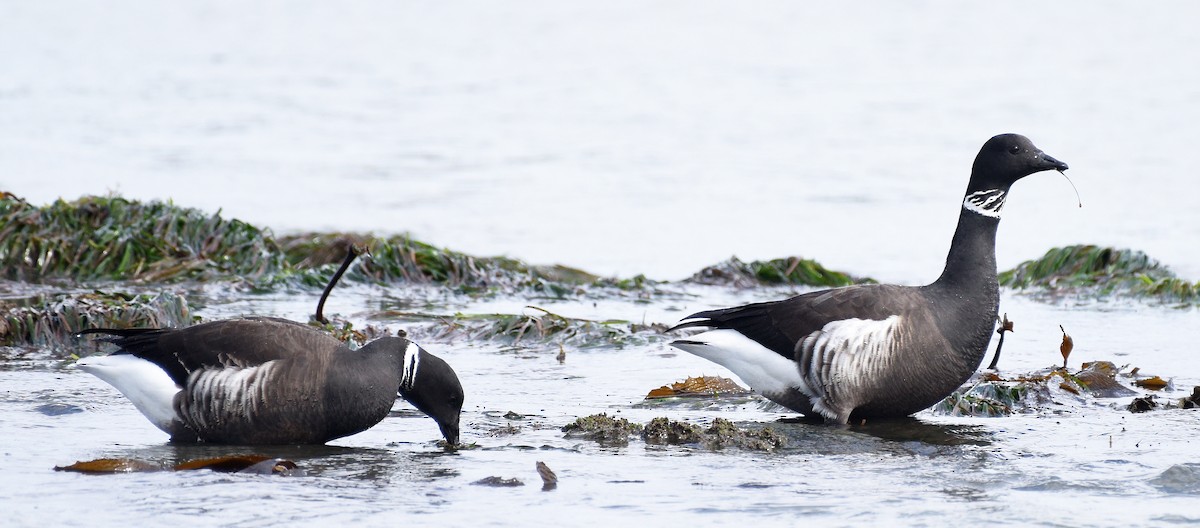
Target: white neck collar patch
x=987 y=203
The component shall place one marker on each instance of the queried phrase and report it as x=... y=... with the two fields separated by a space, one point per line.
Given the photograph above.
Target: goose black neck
x=971 y=262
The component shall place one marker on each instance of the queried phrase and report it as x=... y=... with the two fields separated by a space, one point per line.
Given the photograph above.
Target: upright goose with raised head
x=879 y=351
x=262 y=380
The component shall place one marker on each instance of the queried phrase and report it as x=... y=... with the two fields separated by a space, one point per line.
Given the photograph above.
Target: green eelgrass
x=1101 y=271
x=51 y=321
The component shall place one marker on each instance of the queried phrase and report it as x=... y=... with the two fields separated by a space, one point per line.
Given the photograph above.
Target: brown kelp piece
x=110 y=465
x=700 y=386
x=1067 y=345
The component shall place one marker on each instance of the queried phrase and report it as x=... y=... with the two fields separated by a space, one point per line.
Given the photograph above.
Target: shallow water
x=1076 y=461
x=624 y=138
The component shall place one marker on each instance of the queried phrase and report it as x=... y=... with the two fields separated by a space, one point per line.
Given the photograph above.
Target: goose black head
x=1006 y=158
x=430 y=385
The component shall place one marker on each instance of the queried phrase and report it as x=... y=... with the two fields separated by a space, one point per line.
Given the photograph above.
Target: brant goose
x=262 y=380
x=878 y=351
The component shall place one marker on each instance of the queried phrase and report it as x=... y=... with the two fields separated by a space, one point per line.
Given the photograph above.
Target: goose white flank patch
x=261 y=380
x=878 y=350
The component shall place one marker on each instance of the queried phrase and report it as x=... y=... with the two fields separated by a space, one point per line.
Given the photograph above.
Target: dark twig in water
x=1077 y=199
x=1005 y=326
x=351 y=254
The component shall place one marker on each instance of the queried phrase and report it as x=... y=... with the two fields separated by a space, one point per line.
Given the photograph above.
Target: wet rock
x=1143 y=404
x=603 y=428
x=722 y=433
x=662 y=431
x=719 y=435
x=1191 y=402
x=498 y=482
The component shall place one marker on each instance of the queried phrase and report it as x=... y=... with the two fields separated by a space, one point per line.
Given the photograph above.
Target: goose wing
x=242 y=343
x=781 y=325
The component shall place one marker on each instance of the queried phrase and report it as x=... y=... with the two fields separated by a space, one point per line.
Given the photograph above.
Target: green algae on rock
x=1101 y=271
x=792 y=270
x=113 y=238
x=720 y=434
x=608 y=431
x=52 y=321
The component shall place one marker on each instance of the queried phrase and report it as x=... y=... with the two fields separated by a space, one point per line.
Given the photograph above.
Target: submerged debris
x=792 y=270
x=1095 y=270
x=701 y=386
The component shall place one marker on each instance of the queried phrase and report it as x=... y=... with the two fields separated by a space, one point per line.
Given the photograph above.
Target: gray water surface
x=1075 y=460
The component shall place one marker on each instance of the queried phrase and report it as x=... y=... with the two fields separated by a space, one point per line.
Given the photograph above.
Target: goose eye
x=1014 y=149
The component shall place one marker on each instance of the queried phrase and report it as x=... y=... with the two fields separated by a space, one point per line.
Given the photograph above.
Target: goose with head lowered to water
x=879 y=351
x=262 y=380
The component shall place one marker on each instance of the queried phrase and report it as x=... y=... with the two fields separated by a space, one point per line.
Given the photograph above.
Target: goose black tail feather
x=120 y=332
x=752 y=320
x=144 y=343
x=131 y=340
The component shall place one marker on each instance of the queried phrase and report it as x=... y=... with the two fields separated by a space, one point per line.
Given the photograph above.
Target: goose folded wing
x=240 y=343
x=780 y=325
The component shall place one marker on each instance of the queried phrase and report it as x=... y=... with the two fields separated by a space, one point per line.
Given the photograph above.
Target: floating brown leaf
x=1154 y=383
x=1067 y=345
x=225 y=464
x=109 y=465
x=698 y=386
